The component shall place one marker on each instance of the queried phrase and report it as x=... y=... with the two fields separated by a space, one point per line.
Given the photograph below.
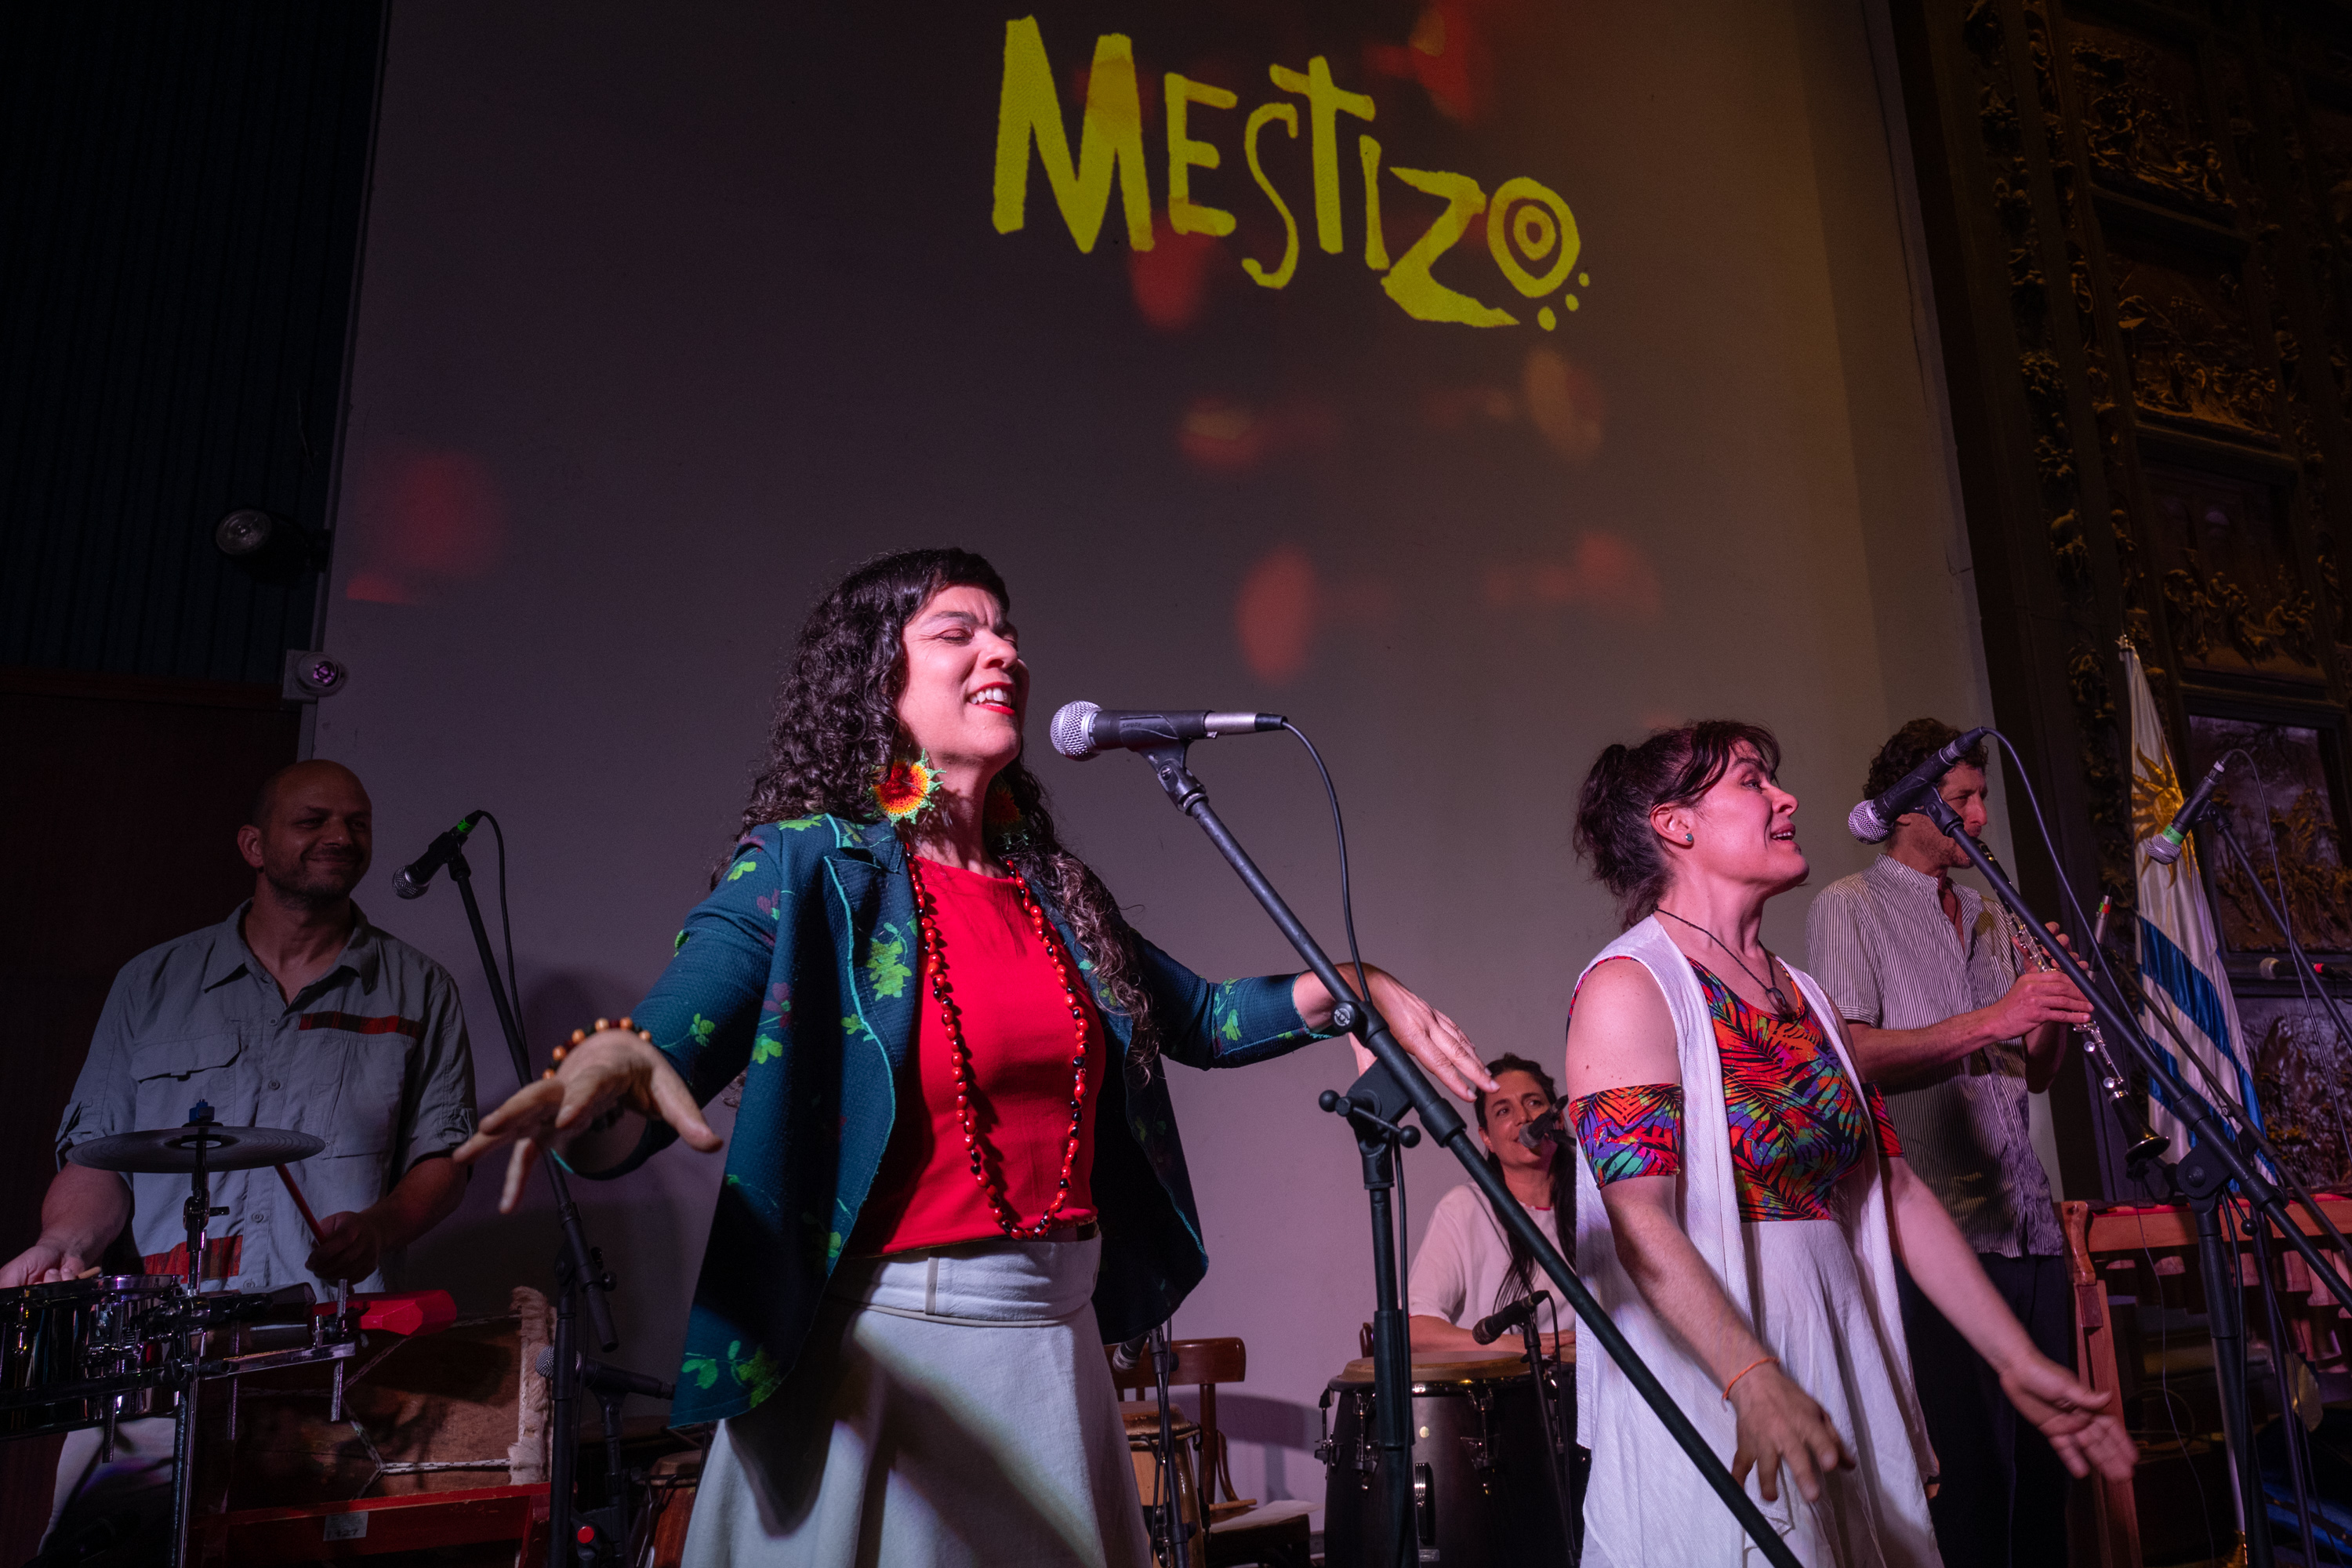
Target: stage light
x=310 y=676
x=245 y=533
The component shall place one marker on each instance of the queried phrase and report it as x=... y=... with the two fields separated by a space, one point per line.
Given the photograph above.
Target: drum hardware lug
x=1424 y=1506
x=335 y=1399
x=1323 y=1423
x=106 y=1434
x=1482 y=1446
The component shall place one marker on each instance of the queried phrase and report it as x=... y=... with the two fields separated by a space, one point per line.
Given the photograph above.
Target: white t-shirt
x=1464 y=1260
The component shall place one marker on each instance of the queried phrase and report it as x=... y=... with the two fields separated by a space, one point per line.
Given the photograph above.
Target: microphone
x=2282 y=969
x=1544 y=1129
x=410 y=883
x=1874 y=818
x=1125 y=1355
x=2164 y=848
x=603 y=1379
x=1495 y=1325
x=1081 y=729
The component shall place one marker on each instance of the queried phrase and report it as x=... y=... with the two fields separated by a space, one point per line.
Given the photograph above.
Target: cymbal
x=168 y=1150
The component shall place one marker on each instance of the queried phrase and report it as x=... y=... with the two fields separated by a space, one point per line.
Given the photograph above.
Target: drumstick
x=309 y=1218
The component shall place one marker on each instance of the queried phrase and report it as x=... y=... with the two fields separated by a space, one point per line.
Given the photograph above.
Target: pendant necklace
x=1779 y=997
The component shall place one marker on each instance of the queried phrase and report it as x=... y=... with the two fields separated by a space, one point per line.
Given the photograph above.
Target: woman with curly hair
x=1742 y=1199
x=955 y=1171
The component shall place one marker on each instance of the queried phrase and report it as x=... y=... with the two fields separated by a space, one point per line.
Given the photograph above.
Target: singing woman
x=1741 y=1202
x=955 y=1171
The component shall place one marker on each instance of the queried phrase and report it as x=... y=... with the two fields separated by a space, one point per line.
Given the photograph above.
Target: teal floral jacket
x=798 y=971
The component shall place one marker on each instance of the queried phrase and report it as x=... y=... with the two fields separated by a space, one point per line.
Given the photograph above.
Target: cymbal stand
x=197 y=1213
x=1395 y=1086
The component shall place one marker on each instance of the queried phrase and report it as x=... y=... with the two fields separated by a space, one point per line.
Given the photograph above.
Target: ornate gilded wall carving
x=2140 y=120
x=2155 y=197
x=2192 y=349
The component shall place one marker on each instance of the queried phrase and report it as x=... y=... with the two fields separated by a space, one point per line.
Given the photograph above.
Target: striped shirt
x=1882 y=947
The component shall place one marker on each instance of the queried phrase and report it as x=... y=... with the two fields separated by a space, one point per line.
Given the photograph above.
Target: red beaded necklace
x=935 y=968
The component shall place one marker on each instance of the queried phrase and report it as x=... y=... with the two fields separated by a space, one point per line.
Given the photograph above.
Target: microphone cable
x=512 y=983
x=1356 y=959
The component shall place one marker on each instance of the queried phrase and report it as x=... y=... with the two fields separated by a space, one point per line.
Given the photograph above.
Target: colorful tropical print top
x=1797 y=1125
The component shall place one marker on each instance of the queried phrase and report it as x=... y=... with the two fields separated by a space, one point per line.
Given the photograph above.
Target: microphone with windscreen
x=1873 y=820
x=2164 y=848
x=1080 y=729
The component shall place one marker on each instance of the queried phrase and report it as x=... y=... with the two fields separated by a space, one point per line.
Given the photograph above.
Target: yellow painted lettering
x=1376 y=242
x=1324 y=101
x=1410 y=282
x=1110 y=138
x=1543 y=227
x=1260 y=117
x=1186 y=216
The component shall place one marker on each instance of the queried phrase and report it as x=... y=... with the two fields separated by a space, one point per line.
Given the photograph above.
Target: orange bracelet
x=1744 y=1371
x=580 y=1035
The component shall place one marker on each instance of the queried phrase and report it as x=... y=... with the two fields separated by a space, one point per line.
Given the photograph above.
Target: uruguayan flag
x=2179 y=958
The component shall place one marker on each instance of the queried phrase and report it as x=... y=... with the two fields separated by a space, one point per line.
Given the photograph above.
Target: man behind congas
x=1469 y=1266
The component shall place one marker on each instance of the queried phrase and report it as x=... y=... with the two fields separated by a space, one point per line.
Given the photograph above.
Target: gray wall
x=664 y=325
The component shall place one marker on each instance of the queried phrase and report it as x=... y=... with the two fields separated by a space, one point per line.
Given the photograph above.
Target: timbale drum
x=1485 y=1487
x=75 y=1352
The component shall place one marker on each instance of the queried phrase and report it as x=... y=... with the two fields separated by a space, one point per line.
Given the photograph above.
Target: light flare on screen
x=1447 y=55
x=422 y=519
x=1171 y=281
x=1603 y=571
x=1284 y=604
x=1275 y=611
x=1223 y=436
x=1563 y=403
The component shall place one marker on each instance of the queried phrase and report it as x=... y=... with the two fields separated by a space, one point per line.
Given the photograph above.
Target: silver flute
x=2031 y=948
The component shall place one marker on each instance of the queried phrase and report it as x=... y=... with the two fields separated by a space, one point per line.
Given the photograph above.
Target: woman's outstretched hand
x=612 y=1066
x=1780 y=1424
x=1432 y=1038
x=2082 y=1426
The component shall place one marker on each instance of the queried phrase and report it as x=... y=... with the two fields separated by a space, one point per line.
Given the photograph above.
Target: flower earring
x=907 y=788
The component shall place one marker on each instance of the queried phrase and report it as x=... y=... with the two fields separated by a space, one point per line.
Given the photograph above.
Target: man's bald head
x=311 y=833
x=296 y=774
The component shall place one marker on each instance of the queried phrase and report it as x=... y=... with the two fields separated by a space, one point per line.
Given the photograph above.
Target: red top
x=1017 y=1027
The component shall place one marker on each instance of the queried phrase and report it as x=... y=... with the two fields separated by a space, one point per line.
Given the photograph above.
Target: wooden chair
x=1241 y=1530
x=2143 y=1247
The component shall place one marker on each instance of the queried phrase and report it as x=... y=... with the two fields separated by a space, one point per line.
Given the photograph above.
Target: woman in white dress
x=1738 y=1213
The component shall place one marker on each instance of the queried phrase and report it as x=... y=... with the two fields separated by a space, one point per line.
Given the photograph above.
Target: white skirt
x=951 y=1406
x=1813 y=1316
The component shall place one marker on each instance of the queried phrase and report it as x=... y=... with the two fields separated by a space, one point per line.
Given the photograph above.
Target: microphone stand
x=2204 y=1177
x=579 y=1270
x=1375 y=1102
x=1555 y=1426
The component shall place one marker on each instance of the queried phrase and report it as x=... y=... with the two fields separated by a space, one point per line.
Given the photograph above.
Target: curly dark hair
x=838 y=719
x=1519 y=1281
x=1673 y=767
x=1911 y=745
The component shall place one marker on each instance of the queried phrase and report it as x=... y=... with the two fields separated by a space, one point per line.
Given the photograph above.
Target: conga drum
x=1486 y=1490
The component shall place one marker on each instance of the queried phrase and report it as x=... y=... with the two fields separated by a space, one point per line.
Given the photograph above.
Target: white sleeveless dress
x=1821 y=1296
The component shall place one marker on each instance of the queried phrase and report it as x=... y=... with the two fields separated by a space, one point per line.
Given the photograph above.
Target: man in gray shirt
x=294 y=1012
x=1956 y=1038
